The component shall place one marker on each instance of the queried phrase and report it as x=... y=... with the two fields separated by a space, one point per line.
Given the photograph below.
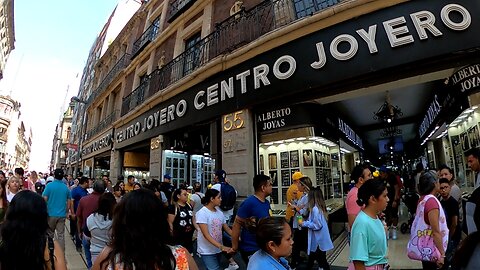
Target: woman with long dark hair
x=25 y=244
x=368 y=245
x=140 y=237
x=181 y=219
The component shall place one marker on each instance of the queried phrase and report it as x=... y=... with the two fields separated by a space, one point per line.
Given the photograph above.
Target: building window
x=192 y=54
x=305 y=8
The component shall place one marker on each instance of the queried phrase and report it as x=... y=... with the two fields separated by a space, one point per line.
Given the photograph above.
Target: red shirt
x=87 y=206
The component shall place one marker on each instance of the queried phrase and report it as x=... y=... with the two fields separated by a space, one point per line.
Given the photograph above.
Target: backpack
x=39 y=187
x=229 y=196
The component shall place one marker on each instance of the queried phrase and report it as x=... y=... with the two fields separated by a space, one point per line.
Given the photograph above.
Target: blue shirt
x=77 y=193
x=318 y=234
x=252 y=207
x=57 y=194
x=368 y=241
x=261 y=260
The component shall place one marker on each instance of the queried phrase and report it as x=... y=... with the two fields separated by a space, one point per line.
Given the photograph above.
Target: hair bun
x=360 y=202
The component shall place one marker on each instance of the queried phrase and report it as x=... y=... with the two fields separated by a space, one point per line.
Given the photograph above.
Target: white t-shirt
x=229 y=213
x=214 y=221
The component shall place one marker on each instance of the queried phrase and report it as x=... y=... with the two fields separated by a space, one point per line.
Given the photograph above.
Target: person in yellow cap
x=293 y=195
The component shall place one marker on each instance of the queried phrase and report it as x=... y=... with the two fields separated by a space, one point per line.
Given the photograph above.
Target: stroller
x=410 y=198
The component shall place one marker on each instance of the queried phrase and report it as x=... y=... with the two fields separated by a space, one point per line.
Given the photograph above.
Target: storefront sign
x=99 y=145
x=350 y=134
x=467 y=79
x=409 y=35
x=274 y=119
x=432 y=113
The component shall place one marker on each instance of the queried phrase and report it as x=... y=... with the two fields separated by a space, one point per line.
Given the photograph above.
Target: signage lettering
x=233 y=121
x=152 y=120
x=351 y=135
x=468 y=78
x=396 y=31
x=274 y=119
x=432 y=112
x=101 y=143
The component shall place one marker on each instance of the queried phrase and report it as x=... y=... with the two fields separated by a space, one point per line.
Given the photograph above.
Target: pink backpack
x=421 y=246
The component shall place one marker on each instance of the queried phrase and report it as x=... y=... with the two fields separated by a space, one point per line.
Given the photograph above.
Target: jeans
x=212 y=261
x=57 y=224
x=86 y=249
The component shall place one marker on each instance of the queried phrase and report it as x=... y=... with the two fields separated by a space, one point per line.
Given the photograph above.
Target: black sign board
x=362 y=51
x=467 y=79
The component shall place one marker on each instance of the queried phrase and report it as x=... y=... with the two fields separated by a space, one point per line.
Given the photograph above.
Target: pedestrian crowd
x=157 y=225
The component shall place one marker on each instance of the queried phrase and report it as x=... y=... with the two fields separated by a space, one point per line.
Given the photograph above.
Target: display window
x=315 y=157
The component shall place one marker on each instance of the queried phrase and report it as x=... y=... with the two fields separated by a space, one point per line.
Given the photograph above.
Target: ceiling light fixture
x=388 y=112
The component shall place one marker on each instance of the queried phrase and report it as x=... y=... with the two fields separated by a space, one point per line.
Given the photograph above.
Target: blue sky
x=53 y=38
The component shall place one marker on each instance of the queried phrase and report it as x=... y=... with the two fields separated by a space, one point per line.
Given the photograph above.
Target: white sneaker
x=394 y=233
x=232 y=266
x=389 y=231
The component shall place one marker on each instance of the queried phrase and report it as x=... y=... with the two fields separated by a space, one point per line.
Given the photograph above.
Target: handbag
x=421 y=246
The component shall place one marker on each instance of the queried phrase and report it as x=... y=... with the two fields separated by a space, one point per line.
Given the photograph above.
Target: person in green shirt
x=368 y=246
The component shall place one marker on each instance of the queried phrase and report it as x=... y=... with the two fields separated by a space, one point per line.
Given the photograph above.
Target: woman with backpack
x=429 y=233
x=319 y=241
x=211 y=223
x=181 y=219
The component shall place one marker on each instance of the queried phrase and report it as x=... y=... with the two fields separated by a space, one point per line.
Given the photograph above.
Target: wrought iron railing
x=107 y=80
x=236 y=31
x=148 y=36
x=102 y=125
x=136 y=97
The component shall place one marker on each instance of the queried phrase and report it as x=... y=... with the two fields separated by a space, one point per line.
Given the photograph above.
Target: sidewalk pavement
x=75 y=259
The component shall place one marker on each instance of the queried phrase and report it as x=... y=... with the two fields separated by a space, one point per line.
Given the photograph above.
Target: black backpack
x=229 y=196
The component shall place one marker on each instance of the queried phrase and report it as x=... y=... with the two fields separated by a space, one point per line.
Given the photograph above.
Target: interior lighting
x=279 y=142
x=269 y=143
x=301 y=139
x=289 y=140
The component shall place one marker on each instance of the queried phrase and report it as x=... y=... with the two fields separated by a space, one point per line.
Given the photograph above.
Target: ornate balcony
x=236 y=31
x=148 y=36
x=102 y=125
x=136 y=97
x=116 y=69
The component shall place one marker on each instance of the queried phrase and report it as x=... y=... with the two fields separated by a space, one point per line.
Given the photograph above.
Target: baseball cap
x=189 y=187
x=383 y=168
x=167 y=176
x=296 y=176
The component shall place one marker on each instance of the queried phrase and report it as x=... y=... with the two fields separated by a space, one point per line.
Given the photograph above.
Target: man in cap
x=293 y=195
x=167 y=187
x=57 y=195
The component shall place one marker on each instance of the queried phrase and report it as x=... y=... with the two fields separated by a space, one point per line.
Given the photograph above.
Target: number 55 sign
x=233 y=121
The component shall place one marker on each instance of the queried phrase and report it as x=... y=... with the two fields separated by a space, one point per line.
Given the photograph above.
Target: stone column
x=238 y=150
x=116 y=160
x=156 y=157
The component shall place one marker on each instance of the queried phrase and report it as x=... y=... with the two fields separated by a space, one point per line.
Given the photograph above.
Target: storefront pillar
x=156 y=158
x=238 y=150
x=116 y=160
